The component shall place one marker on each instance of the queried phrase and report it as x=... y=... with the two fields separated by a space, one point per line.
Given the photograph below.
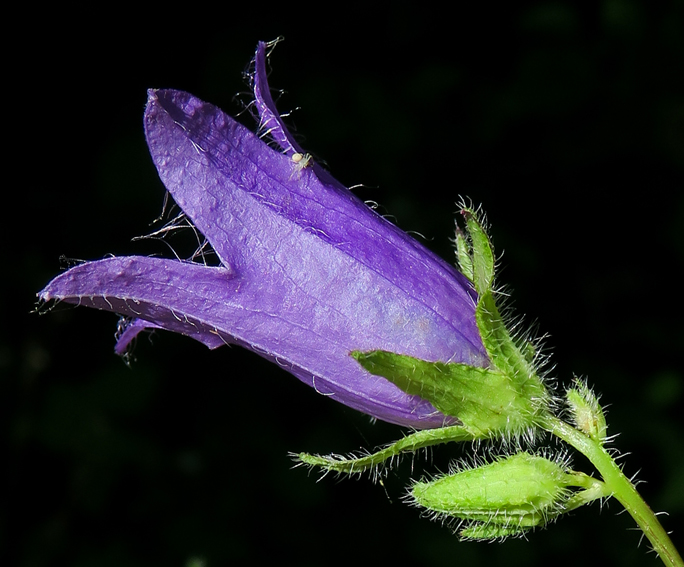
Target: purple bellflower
x=308 y=272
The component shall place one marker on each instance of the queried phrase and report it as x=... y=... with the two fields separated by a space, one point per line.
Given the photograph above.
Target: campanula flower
x=307 y=273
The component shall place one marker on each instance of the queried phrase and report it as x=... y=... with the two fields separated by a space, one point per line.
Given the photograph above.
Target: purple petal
x=214 y=306
x=308 y=272
x=270 y=123
x=128 y=331
x=295 y=234
x=154 y=291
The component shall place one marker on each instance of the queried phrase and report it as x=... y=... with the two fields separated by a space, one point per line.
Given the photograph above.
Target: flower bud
x=586 y=411
x=502 y=498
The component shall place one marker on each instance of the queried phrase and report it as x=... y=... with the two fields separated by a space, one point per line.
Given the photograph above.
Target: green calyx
x=484 y=400
x=508 y=397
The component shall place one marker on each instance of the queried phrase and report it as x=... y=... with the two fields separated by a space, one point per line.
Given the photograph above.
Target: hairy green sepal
x=510 y=357
x=483 y=399
x=408 y=444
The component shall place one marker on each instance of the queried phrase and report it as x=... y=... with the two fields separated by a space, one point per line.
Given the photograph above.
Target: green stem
x=620 y=487
x=593 y=490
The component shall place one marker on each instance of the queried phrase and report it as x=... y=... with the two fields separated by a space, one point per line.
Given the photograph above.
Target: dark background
x=565 y=121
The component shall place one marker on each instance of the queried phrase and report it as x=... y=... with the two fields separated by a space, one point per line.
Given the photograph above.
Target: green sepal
x=593 y=490
x=513 y=359
x=519 y=491
x=505 y=354
x=463 y=254
x=483 y=399
x=586 y=411
x=409 y=444
x=488 y=532
x=481 y=252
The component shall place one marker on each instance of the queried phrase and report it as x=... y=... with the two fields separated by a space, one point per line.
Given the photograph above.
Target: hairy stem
x=620 y=487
